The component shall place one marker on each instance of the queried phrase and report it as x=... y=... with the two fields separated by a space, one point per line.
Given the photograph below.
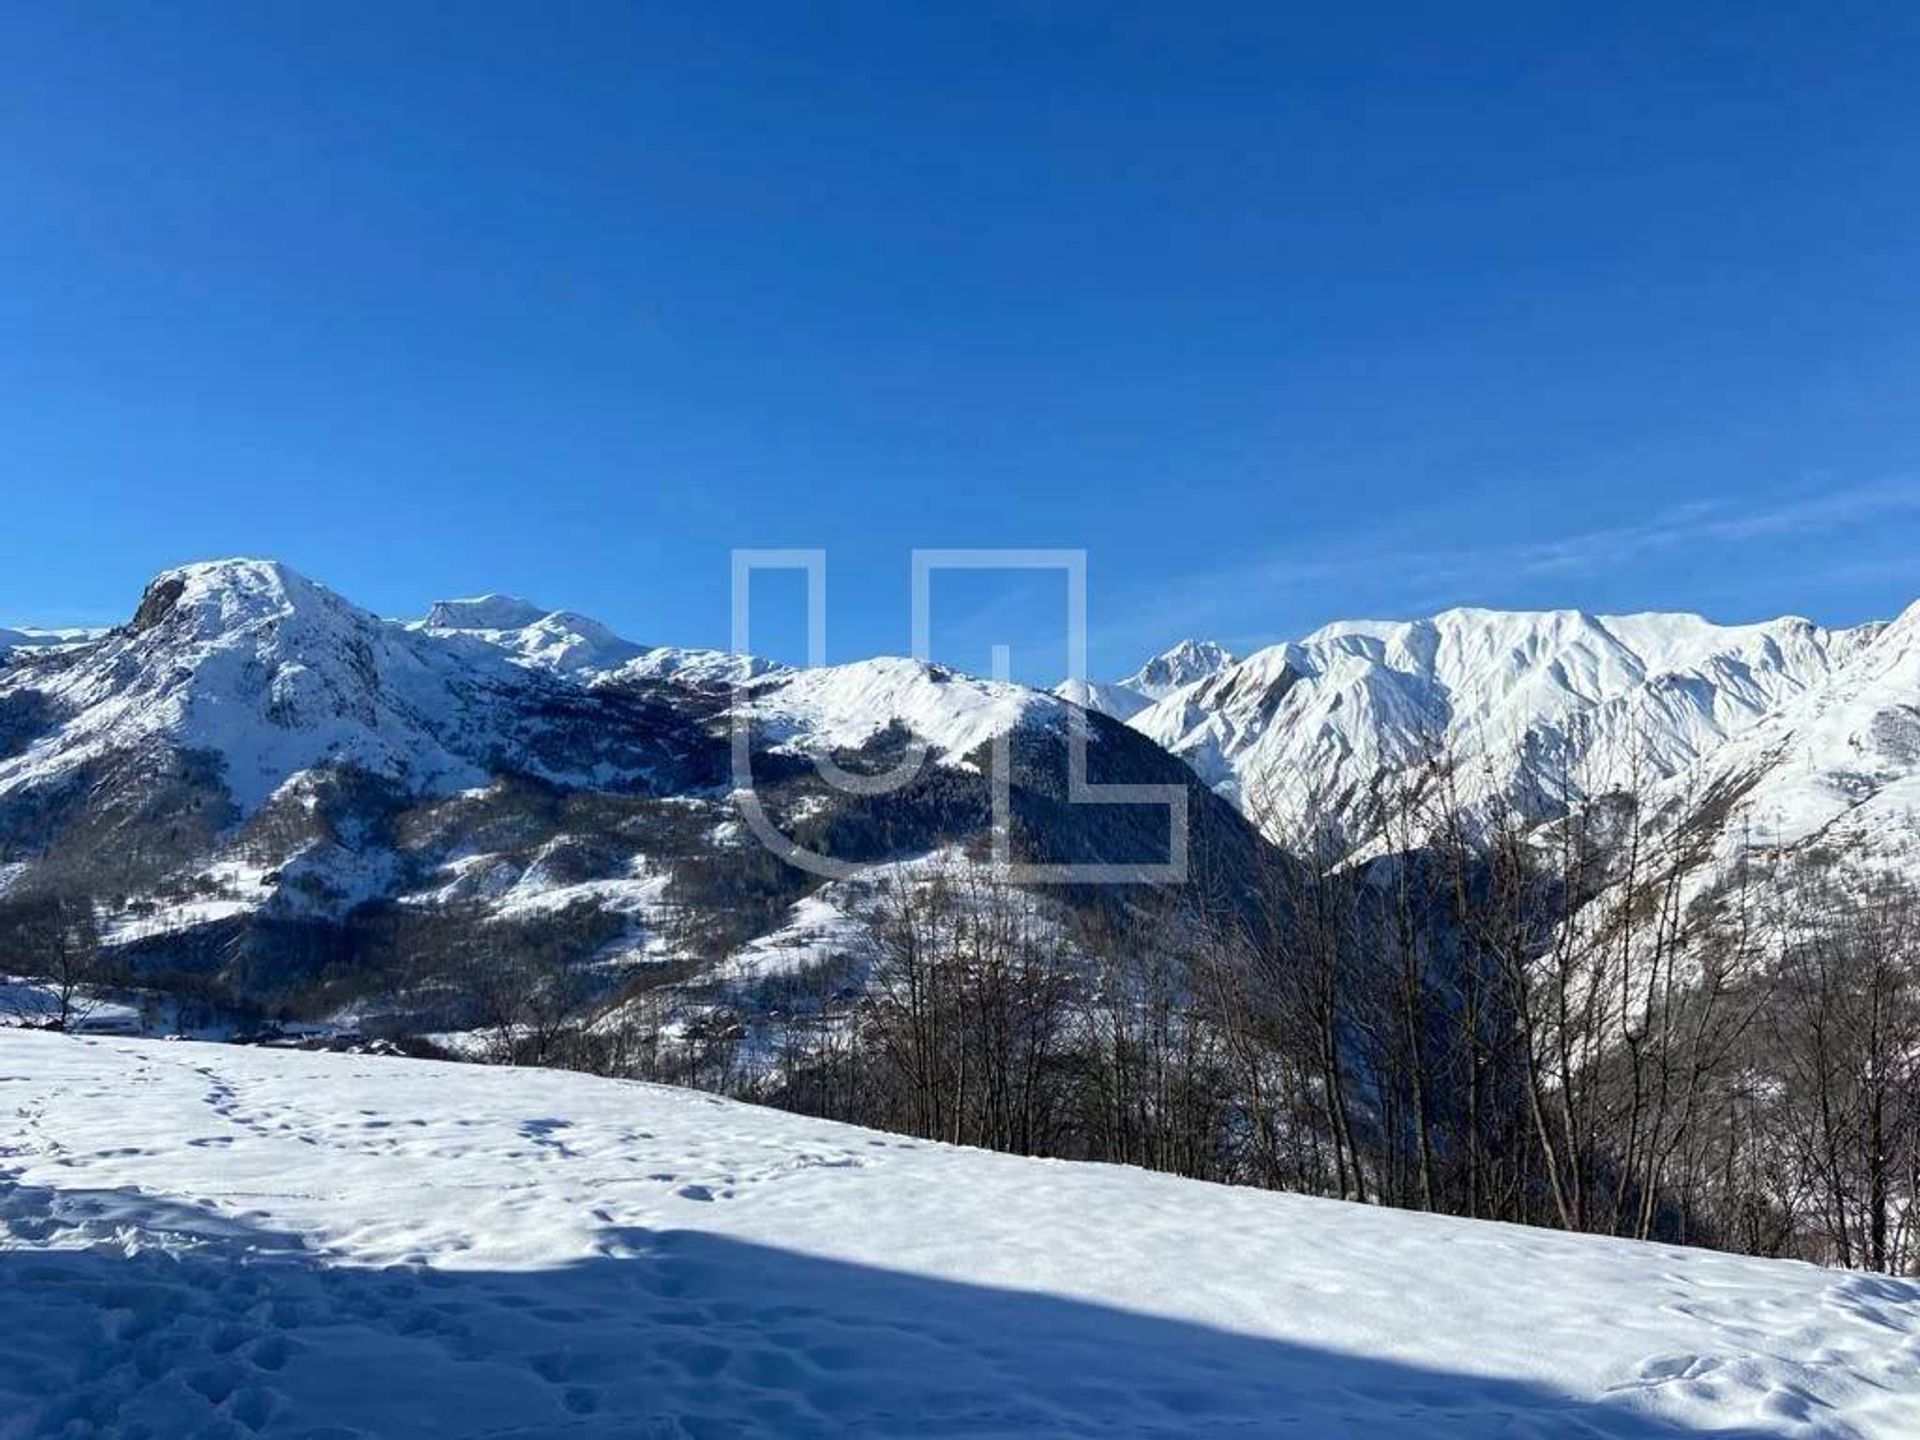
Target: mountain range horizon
x=505 y=610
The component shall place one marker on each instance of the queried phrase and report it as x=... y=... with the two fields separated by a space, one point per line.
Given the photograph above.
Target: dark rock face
x=25 y=715
x=157 y=603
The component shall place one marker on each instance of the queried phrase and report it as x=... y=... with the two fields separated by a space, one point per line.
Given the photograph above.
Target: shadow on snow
x=241 y=1331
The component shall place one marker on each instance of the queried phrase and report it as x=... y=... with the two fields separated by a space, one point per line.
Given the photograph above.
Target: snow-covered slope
x=701 y=669
x=551 y=639
x=572 y=644
x=250 y=662
x=1187 y=663
x=219 y=1241
x=254 y=768
x=1537 y=707
x=1837 y=766
x=845 y=707
x=1109 y=697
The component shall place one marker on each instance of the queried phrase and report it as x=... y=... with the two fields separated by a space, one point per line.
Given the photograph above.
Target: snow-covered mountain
x=572 y=644
x=1834 y=766
x=553 y=639
x=226 y=1241
x=249 y=661
x=848 y=706
x=252 y=747
x=267 y=675
x=252 y=757
x=34 y=639
x=1534 y=708
x=702 y=669
x=1105 y=697
x=1185 y=664
x=271 y=676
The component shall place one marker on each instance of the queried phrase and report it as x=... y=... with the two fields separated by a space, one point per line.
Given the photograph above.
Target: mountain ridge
x=258 y=781
x=1559 y=705
x=235 y=678
x=1549 y=707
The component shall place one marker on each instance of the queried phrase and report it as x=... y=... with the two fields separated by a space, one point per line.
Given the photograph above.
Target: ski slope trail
x=215 y=1241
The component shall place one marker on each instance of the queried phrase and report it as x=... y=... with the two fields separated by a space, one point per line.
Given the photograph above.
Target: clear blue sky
x=1329 y=311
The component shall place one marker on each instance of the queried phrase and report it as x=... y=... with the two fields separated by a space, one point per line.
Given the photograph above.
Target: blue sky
x=1282 y=314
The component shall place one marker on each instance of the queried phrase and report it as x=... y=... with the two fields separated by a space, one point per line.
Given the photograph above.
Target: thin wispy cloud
x=1711 y=522
x=1239 y=603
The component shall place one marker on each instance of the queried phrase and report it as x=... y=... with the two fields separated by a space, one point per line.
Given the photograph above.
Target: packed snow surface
x=217 y=1241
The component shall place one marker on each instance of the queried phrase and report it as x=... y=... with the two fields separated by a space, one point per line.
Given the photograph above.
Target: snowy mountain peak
x=557 y=640
x=219 y=595
x=569 y=643
x=1184 y=664
x=250 y=662
x=485 y=612
x=1908 y=620
x=1187 y=663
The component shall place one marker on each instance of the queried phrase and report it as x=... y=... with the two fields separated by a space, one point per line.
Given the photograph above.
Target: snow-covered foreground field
x=199 y=1240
